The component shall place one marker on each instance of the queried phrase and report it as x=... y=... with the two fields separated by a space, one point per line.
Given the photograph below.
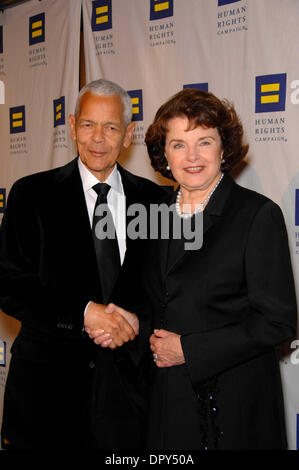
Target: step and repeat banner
x=39 y=80
x=242 y=50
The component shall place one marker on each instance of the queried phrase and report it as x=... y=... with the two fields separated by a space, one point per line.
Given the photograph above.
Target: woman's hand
x=167 y=348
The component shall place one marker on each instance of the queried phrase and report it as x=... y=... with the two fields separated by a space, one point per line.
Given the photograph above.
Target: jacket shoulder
x=36 y=178
x=254 y=207
x=250 y=198
x=144 y=189
x=40 y=179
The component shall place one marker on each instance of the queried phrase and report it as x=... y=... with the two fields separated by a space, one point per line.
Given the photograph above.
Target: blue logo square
x=160 y=9
x=17 y=119
x=59 y=111
x=198 y=86
x=2 y=353
x=1 y=39
x=101 y=18
x=37 y=29
x=270 y=93
x=137 y=104
x=2 y=200
x=297 y=207
x=226 y=2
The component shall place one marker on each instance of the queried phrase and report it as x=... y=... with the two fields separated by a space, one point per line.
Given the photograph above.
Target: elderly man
x=55 y=278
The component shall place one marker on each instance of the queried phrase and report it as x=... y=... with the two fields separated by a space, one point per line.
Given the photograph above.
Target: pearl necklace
x=199 y=207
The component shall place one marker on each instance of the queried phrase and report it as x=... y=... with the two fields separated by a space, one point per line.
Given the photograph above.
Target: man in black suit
x=50 y=280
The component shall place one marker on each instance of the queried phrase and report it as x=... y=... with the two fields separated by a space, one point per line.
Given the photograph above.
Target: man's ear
x=129 y=134
x=72 y=124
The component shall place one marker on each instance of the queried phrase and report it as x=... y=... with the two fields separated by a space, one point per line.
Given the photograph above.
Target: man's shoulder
x=42 y=178
x=143 y=189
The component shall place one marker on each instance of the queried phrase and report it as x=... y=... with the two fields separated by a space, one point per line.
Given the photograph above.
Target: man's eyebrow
x=86 y=120
x=105 y=123
x=113 y=123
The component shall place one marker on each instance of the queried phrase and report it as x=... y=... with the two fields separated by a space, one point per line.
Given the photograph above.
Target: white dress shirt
x=116 y=200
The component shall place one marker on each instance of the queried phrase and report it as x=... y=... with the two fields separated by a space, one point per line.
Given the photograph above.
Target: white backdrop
x=243 y=50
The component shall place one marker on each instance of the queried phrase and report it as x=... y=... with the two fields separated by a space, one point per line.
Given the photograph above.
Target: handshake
x=110 y=326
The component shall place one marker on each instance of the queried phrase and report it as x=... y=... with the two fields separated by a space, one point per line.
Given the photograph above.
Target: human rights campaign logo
x=198 y=86
x=2 y=200
x=101 y=18
x=1 y=39
x=270 y=93
x=37 y=29
x=2 y=353
x=137 y=104
x=17 y=119
x=226 y=2
x=59 y=111
x=297 y=207
x=160 y=9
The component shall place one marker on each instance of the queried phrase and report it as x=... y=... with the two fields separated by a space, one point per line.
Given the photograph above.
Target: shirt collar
x=89 y=180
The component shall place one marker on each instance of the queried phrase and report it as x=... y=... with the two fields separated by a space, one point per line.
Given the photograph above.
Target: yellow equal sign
x=1 y=354
x=135 y=105
x=36 y=29
x=161 y=6
x=17 y=119
x=1 y=205
x=101 y=11
x=269 y=88
x=58 y=112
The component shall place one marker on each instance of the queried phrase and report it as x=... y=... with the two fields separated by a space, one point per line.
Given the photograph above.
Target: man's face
x=100 y=132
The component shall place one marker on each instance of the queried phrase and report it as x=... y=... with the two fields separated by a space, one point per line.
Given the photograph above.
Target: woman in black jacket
x=218 y=311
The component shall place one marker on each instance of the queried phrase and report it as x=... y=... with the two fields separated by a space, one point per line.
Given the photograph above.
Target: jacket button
x=91 y=365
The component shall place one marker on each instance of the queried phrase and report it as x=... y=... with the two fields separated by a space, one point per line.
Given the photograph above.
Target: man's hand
x=131 y=318
x=167 y=348
x=98 y=322
x=104 y=336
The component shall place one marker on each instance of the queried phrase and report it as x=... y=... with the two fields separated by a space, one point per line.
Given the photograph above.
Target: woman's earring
x=167 y=167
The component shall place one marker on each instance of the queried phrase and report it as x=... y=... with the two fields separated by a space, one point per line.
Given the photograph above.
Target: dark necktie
x=105 y=240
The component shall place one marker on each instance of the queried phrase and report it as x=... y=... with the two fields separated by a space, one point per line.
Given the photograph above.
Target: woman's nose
x=192 y=154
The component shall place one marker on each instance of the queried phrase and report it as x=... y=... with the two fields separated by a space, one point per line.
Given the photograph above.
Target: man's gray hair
x=107 y=88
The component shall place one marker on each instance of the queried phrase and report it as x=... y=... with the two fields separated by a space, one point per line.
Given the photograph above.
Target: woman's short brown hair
x=202 y=109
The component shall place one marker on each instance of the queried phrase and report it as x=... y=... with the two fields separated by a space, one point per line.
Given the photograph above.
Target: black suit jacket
x=232 y=301
x=48 y=273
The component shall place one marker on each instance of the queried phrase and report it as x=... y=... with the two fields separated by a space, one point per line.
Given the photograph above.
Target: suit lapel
x=73 y=205
x=163 y=244
x=73 y=196
x=171 y=257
